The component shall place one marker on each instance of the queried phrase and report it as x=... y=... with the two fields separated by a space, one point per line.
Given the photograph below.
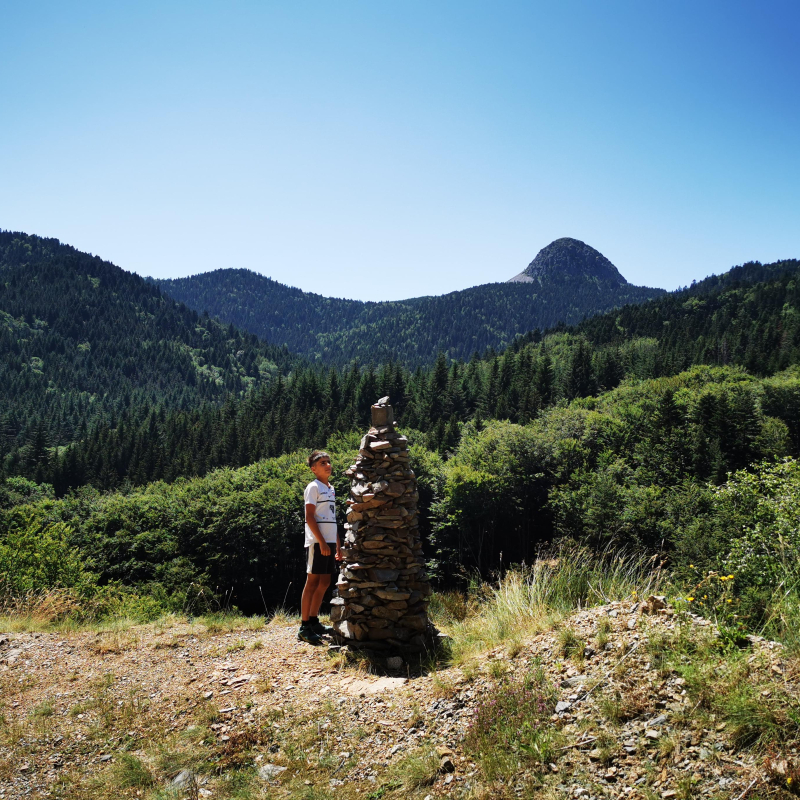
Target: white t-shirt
x=324 y=498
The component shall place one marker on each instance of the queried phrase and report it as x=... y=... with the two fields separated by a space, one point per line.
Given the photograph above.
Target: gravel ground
x=74 y=703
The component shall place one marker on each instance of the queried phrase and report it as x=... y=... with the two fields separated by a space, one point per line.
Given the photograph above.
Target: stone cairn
x=383 y=587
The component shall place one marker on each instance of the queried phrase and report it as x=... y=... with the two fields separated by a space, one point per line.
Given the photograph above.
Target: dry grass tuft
x=38 y=610
x=283 y=617
x=416 y=770
x=114 y=641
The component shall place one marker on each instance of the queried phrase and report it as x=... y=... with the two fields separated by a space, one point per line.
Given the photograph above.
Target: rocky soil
x=195 y=705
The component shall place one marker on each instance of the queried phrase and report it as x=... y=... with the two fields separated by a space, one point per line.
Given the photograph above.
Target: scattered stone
x=269 y=772
x=377 y=686
x=185 y=779
x=654 y=604
x=447 y=765
x=11 y=656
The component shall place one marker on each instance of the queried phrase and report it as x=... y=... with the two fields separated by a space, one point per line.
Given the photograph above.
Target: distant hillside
x=81 y=340
x=748 y=316
x=334 y=331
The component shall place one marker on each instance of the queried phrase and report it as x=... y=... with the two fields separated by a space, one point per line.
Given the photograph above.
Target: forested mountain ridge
x=711 y=320
x=412 y=332
x=81 y=339
x=748 y=316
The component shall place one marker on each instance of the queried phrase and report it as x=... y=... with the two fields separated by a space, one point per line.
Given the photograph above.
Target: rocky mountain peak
x=569 y=257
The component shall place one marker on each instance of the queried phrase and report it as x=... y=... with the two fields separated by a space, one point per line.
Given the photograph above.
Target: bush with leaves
x=17 y=491
x=764 y=509
x=36 y=554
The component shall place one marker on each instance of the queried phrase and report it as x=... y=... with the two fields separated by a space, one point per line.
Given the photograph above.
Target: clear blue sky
x=385 y=150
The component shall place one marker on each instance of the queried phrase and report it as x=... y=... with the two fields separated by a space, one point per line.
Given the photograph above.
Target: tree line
x=136 y=387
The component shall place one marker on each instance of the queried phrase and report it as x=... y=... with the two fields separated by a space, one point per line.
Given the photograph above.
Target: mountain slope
x=180 y=664
x=749 y=316
x=81 y=339
x=336 y=331
x=751 y=325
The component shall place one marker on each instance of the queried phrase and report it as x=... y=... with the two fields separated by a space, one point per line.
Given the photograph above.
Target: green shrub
x=16 y=491
x=764 y=508
x=36 y=554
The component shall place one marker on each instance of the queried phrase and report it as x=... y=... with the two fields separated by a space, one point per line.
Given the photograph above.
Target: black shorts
x=318 y=564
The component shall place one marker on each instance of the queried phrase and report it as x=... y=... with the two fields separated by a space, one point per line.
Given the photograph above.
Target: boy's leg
x=320 y=569
x=307 y=599
x=307 y=632
x=323 y=582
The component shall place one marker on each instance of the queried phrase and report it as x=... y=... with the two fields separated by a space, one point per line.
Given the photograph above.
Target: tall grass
x=38 y=609
x=533 y=598
x=110 y=607
x=783 y=618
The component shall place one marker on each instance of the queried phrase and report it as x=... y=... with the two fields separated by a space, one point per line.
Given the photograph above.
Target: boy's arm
x=311 y=521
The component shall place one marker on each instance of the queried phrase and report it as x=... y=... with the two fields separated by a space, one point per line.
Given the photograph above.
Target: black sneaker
x=308 y=634
x=319 y=628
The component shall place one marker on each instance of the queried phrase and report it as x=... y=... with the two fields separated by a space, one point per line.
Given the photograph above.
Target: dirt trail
x=62 y=693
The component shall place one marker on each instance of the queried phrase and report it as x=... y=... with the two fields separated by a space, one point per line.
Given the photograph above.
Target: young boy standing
x=321 y=541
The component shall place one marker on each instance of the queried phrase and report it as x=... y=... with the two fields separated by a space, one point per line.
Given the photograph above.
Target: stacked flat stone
x=383 y=587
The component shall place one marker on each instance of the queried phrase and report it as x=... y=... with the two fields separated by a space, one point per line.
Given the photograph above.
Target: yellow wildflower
x=689 y=599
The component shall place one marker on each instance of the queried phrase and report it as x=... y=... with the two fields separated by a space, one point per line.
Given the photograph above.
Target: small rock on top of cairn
x=383 y=587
